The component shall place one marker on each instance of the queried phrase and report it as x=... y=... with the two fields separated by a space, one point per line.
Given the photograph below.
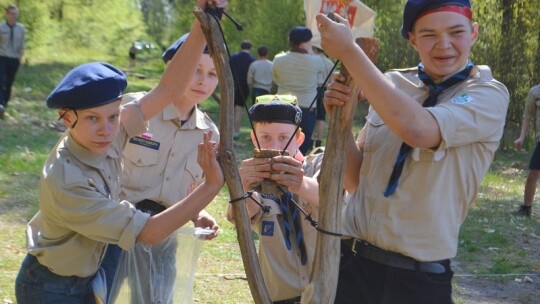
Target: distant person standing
x=240 y=62
x=531 y=110
x=133 y=54
x=296 y=73
x=259 y=76
x=11 y=51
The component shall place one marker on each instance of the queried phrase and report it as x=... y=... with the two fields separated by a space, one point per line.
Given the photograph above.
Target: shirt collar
x=195 y=121
x=87 y=157
x=422 y=84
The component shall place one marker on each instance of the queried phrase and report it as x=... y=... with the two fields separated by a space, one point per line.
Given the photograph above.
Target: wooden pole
x=216 y=47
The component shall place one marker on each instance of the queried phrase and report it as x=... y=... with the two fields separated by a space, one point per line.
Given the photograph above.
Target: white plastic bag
x=161 y=273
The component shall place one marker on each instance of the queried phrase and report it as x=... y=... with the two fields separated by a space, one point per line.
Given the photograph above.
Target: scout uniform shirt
x=422 y=218
x=161 y=165
x=533 y=105
x=11 y=40
x=284 y=275
x=79 y=207
x=296 y=74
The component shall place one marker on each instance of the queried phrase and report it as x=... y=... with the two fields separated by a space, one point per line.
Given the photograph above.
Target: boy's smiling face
x=443 y=41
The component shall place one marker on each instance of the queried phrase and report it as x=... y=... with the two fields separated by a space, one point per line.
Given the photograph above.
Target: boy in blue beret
x=155 y=179
x=80 y=212
x=417 y=164
x=286 y=241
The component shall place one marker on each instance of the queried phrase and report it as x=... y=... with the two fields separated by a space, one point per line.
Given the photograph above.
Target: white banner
x=361 y=17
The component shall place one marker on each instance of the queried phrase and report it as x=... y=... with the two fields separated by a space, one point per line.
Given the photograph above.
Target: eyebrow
x=454 y=27
x=90 y=112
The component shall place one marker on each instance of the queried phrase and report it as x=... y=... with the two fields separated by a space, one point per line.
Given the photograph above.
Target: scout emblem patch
x=267 y=228
x=462 y=99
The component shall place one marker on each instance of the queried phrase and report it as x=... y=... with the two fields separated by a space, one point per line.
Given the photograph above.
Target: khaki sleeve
x=84 y=209
x=476 y=114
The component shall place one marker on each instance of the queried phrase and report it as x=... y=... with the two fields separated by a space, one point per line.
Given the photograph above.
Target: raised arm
x=402 y=114
x=177 y=75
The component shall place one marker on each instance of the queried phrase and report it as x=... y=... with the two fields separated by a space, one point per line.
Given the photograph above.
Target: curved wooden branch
x=323 y=283
x=216 y=47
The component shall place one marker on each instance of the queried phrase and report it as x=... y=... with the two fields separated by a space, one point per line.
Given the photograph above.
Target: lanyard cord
x=319 y=92
x=308 y=217
x=215 y=13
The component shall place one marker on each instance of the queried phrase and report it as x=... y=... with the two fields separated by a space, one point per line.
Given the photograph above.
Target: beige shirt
x=8 y=47
x=166 y=170
x=284 y=275
x=79 y=210
x=327 y=69
x=296 y=74
x=260 y=74
x=423 y=217
x=532 y=106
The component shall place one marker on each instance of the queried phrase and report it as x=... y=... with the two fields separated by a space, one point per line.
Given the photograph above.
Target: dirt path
x=496 y=290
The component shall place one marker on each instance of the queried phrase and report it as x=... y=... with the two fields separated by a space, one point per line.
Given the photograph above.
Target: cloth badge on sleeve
x=154 y=145
x=267 y=228
x=463 y=99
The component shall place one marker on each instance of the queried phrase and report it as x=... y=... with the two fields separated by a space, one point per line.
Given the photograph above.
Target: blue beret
x=415 y=8
x=171 y=50
x=300 y=34
x=276 y=108
x=89 y=85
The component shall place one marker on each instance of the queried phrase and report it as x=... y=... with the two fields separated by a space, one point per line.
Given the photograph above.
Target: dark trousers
x=35 y=283
x=364 y=281
x=308 y=126
x=8 y=69
x=109 y=265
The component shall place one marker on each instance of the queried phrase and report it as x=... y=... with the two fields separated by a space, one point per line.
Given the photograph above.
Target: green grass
x=492 y=241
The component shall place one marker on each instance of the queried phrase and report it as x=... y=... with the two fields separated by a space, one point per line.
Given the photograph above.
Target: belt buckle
x=353 y=248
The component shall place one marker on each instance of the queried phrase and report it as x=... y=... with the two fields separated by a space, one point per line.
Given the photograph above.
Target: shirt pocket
x=138 y=162
x=4 y=35
x=269 y=227
x=194 y=170
x=375 y=126
x=141 y=156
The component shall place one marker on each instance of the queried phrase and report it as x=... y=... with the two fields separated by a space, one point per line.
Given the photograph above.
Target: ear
x=300 y=138
x=67 y=117
x=475 y=32
x=412 y=40
x=253 y=140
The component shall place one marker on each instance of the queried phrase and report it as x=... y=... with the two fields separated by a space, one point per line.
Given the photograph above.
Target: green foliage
x=60 y=26
x=264 y=22
x=103 y=30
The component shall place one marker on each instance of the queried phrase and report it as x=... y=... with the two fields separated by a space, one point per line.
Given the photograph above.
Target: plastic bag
x=161 y=273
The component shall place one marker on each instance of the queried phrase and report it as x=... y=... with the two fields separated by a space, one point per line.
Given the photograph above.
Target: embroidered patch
x=462 y=99
x=147 y=135
x=154 y=145
x=267 y=228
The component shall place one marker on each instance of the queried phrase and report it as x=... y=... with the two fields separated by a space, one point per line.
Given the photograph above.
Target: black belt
x=308 y=109
x=375 y=254
x=288 y=301
x=149 y=206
